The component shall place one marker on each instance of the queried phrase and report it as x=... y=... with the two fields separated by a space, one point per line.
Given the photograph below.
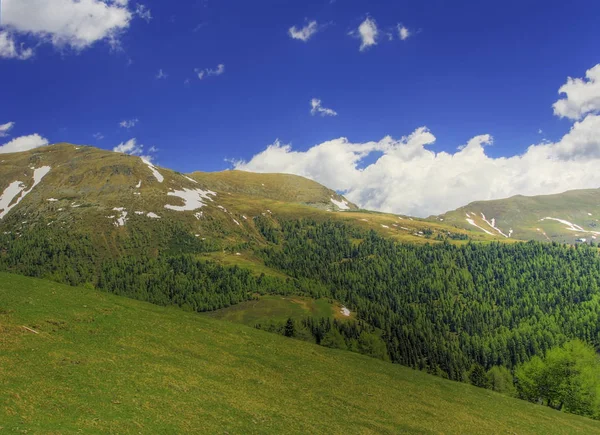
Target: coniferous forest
x=500 y=316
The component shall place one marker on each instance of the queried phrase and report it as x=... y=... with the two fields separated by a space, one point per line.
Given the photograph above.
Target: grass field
x=278 y=309
x=99 y=363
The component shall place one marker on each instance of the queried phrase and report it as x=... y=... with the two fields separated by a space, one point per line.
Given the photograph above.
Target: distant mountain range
x=99 y=192
x=568 y=217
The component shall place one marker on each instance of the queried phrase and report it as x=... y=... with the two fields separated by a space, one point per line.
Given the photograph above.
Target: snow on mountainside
x=118 y=200
x=15 y=192
x=567 y=217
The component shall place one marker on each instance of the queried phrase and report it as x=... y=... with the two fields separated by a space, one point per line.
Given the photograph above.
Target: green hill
x=566 y=217
x=76 y=360
x=122 y=203
x=278 y=187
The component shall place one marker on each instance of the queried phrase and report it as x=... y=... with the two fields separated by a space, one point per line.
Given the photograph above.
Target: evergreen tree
x=290 y=328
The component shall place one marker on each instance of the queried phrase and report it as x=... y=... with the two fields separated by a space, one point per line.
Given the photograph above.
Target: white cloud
x=23 y=143
x=5 y=128
x=368 y=33
x=98 y=136
x=304 y=33
x=132 y=147
x=317 y=108
x=408 y=178
x=75 y=24
x=403 y=32
x=10 y=50
x=202 y=73
x=129 y=123
x=143 y=12
x=582 y=96
x=161 y=74
x=411 y=179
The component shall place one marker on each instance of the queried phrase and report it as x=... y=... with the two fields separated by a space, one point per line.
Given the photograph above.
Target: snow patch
x=17 y=187
x=345 y=312
x=156 y=174
x=137 y=186
x=493 y=225
x=140 y=213
x=52 y=200
x=152 y=215
x=199 y=215
x=236 y=222
x=570 y=226
x=191 y=179
x=122 y=219
x=193 y=198
x=385 y=226
x=472 y=222
x=342 y=205
x=13 y=189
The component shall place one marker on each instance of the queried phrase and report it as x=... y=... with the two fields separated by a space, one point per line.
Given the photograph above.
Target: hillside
x=566 y=217
x=112 y=197
x=419 y=293
x=278 y=187
x=99 y=363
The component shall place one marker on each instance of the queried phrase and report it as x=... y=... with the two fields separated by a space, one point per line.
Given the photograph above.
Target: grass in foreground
x=104 y=364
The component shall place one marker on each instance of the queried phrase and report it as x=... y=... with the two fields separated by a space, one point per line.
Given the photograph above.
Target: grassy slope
x=273 y=308
x=97 y=181
x=279 y=187
x=104 y=364
x=523 y=214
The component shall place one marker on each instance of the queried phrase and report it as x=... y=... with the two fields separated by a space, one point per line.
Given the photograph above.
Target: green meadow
x=75 y=360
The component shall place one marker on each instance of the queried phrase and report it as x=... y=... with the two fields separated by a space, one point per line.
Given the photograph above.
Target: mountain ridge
x=568 y=217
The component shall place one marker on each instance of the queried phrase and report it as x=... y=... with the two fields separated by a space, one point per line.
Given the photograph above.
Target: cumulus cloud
x=132 y=147
x=202 y=73
x=368 y=33
x=75 y=24
x=409 y=178
x=23 y=143
x=582 y=96
x=305 y=33
x=317 y=108
x=403 y=32
x=5 y=128
x=129 y=123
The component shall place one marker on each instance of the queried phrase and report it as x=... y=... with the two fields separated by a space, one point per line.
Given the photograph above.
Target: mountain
x=288 y=256
x=110 y=196
x=568 y=217
x=76 y=360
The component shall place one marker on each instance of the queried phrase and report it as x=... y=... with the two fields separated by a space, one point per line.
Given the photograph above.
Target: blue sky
x=468 y=68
